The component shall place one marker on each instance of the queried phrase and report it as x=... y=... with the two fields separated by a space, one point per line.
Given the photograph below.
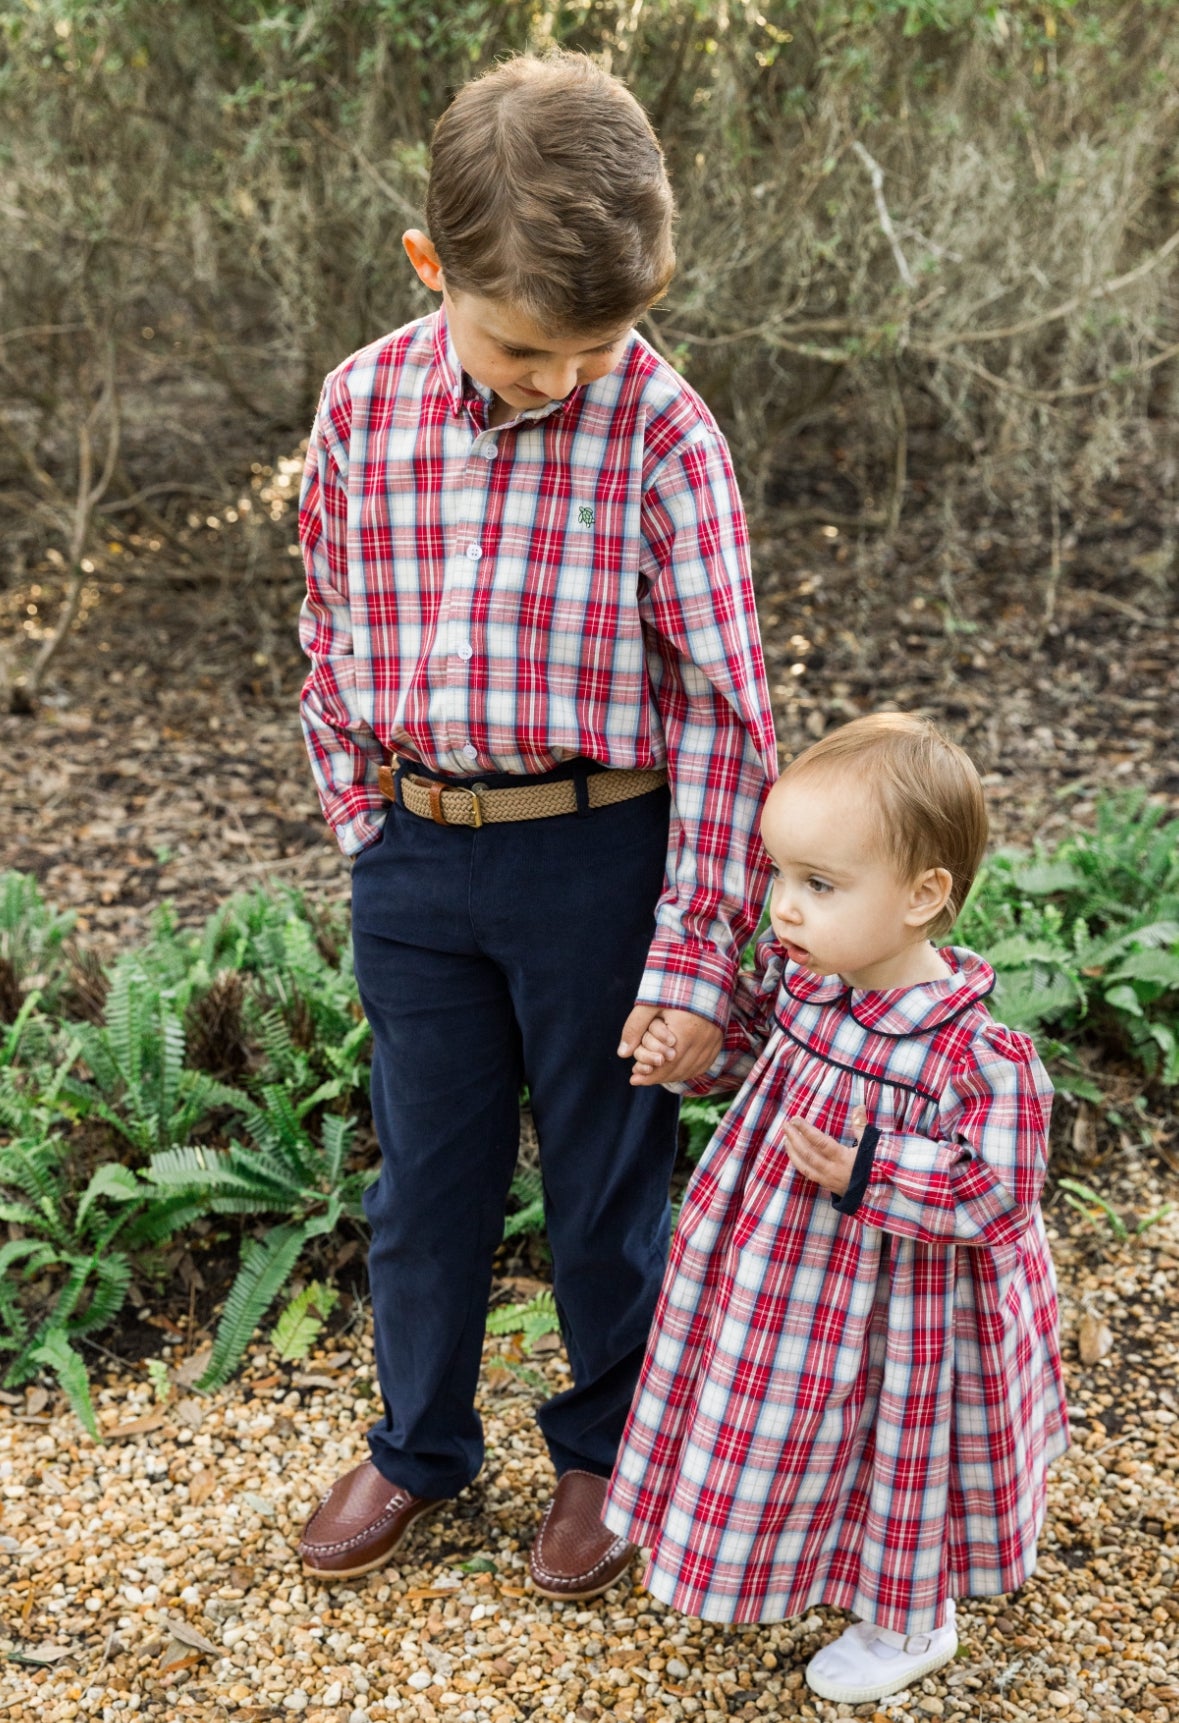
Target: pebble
x=1090 y=1638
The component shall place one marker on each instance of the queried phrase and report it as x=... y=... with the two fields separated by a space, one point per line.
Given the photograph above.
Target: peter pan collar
x=899 y=1011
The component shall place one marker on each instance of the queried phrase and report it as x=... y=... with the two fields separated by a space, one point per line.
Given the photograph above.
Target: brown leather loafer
x=359 y=1524
x=574 y=1555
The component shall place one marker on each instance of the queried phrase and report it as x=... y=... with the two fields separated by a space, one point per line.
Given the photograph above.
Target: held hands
x=668 y=1046
x=821 y=1158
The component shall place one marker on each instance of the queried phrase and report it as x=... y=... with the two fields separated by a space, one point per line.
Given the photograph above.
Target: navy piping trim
x=868 y=1076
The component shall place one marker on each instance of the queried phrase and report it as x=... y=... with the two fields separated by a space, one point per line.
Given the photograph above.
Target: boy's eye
x=815 y=884
x=516 y=352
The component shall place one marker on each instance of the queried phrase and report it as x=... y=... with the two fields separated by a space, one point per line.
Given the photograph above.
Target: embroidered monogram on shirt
x=585 y=515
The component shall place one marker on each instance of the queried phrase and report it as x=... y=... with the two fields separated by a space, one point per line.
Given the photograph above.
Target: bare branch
x=876 y=173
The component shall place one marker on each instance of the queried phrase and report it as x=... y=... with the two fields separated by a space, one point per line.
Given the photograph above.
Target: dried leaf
x=176 y=1656
x=201 y=1487
x=190 y=1413
x=1094 y=1339
x=193 y=1367
x=187 y=1635
x=137 y=1426
x=1085 y=1132
x=43 y=1656
x=36 y=1400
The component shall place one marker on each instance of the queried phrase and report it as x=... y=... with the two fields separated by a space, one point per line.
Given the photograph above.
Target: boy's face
x=499 y=345
x=838 y=904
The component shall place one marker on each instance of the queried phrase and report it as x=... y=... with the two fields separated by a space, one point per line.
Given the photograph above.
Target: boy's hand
x=682 y=1046
x=821 y=1158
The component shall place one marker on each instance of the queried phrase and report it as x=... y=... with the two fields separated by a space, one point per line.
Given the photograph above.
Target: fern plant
x=65 y=1269
x=32 y=935
x=301 y=1005
x=283 y=1170
x=139 y=1082
x=527 y=1191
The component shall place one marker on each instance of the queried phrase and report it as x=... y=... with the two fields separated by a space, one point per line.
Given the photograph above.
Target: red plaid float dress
x=855 y=1409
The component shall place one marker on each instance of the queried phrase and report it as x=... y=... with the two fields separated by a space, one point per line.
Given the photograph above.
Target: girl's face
x=838 y=904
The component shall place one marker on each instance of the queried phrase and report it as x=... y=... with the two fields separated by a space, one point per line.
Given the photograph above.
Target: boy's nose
x=557 y=380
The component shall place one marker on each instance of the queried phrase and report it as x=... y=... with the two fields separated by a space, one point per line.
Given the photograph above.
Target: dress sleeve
x=978 y=1182
x=344 y=752
x=708 y=681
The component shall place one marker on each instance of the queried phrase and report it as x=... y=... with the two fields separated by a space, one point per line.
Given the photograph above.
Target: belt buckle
x=437 y=789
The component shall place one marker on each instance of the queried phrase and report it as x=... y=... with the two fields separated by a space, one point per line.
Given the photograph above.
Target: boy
x=537 y=717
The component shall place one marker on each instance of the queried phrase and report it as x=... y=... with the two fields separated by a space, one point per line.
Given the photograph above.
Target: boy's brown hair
x=548 y=192
x=927 y=792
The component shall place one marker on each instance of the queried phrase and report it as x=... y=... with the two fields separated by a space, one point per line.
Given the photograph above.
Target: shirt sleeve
x=344 y=752
x=709 y=685
x=977 y=1183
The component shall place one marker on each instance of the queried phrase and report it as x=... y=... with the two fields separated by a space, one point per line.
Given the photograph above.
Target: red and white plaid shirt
x=574 y=583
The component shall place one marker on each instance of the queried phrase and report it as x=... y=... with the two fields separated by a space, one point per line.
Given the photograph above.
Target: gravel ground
x=154 y=1575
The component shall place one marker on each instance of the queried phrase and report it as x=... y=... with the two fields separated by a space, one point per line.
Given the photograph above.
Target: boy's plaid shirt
x=501 y=600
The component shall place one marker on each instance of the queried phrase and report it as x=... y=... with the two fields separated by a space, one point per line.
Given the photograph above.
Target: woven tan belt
x=459 y=805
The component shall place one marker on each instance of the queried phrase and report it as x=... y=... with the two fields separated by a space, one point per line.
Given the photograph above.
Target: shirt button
x=489 y=451
x=471 y=752
x=474 y=551
x=466 y=650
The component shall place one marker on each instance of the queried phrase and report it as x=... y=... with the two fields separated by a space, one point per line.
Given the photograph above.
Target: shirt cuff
x=689 y=977
x=361 y=830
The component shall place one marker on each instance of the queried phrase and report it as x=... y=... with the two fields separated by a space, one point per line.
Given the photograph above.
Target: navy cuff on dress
x=853 y=1196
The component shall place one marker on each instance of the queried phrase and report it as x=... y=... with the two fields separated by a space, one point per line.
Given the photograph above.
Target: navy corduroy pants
x=487 y=958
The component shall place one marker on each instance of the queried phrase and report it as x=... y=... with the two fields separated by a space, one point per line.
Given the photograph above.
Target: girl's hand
x=821 y=1158
x=695 y=1043
x=657 y=1048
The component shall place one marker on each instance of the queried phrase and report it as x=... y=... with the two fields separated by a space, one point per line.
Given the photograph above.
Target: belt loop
x=581 y=791
x=436 y=814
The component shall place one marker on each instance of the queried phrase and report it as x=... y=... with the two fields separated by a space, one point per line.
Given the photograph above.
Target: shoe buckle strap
x=917 y=1644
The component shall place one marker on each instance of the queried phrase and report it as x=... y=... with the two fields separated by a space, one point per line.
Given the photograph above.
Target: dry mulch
x=155 y=1576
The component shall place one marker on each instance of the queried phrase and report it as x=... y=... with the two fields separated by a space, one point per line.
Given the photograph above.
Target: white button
x=471 y=752
x=489 y=451
x=466 y=650
x=474 y=551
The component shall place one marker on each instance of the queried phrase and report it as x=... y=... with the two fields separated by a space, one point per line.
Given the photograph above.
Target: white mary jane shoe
x=869 y=1662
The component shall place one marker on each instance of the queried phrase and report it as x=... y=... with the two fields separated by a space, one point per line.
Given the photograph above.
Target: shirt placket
x=465 y=570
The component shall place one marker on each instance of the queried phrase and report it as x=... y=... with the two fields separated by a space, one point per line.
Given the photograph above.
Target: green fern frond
x=302 y=1321
x=108 y=1281
x=266 y=1267
x=54 y=1351
x=531 y=1320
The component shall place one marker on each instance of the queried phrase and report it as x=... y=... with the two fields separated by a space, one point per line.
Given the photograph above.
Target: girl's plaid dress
x=855 y=1408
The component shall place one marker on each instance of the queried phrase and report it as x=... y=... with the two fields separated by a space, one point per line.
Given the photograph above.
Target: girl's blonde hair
x=927 y=794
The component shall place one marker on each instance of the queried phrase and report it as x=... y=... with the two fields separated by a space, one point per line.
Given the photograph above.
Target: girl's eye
x=819 y=885
x=516 y=352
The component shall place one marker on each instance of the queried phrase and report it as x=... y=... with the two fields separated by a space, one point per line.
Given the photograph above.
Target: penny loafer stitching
x=588 y=1573
x=389 y=1513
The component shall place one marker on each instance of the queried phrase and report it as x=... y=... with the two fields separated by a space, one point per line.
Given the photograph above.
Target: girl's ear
x=420 y=251
x=929 y=895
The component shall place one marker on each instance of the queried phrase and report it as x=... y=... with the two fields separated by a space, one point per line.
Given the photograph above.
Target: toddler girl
x=852 y=1389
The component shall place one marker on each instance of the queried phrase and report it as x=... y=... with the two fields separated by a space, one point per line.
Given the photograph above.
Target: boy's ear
x=929 y=896
x=420 y=251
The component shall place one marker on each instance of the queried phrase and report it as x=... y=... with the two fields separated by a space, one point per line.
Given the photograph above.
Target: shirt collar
x=900 y=1011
